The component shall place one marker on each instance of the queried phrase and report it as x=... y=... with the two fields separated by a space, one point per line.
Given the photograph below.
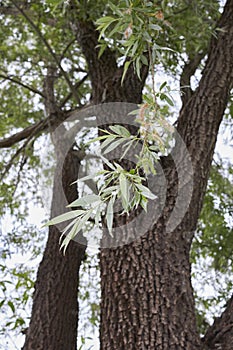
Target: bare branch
x=12 y=11
x=18 y=82
x=49 y=123
x=76 y=86
x=67 y=48
x=220 y=334
x=22 y=135
x=17 y=153
x=188 y=71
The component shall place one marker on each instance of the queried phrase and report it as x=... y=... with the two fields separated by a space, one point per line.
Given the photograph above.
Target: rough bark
x=147 y=297
x=54 y=319
x=55 y=309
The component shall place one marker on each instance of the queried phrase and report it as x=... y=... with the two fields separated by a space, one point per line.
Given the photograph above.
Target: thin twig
x=76 y=86
x=11 y=162
x=67 y=48
x=16 y=81
x=152 y=71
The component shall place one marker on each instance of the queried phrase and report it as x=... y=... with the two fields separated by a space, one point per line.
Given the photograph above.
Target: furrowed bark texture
x=147 y=297
x=54 y=319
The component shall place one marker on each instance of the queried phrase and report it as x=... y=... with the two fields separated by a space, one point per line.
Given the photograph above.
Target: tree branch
x=76 y=86
x=8 y=10
x=189 y=70
x=200 y=118
x=220 y=334
x=50 y=50
x=49 y=123
x=25 y=133
x=11 y=162
x=28 y=87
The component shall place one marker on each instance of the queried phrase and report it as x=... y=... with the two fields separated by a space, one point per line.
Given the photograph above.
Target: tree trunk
x=147 y=297
x=54 y=319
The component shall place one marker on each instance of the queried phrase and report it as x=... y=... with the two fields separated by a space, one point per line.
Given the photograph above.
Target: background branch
x=189 y=70
x=49 y=123
x=220 y=334
x=52 y=53
x=18 y=82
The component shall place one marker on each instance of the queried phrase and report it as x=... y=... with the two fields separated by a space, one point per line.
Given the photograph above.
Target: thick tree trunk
x=54 y=319
x=147 y=297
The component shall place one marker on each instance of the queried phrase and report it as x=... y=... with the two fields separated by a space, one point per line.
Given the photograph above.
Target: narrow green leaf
x=155 y=27
x=69 y=237
x=64 y=217
x=168 y=100
x=143 y=203
x=138 y=67
x=68 y=227
x=134 y=112
x=154 y=148
x=89 y=199
x=108 y=141
x=102 y=48
x=162 y=85
x=105 y=19
x=76 y=229
x=126 y=66
x=144 y=60
x=99 y=138
x=120 y=130
x=145 y=191
x=11 y=305
x=129 y=144
x=88 y=177
x=115 y=9
x=109 y=189
x=106 y=161
x=113 y=145
x=135 y=47
x=109 y=215
x=124 y=187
